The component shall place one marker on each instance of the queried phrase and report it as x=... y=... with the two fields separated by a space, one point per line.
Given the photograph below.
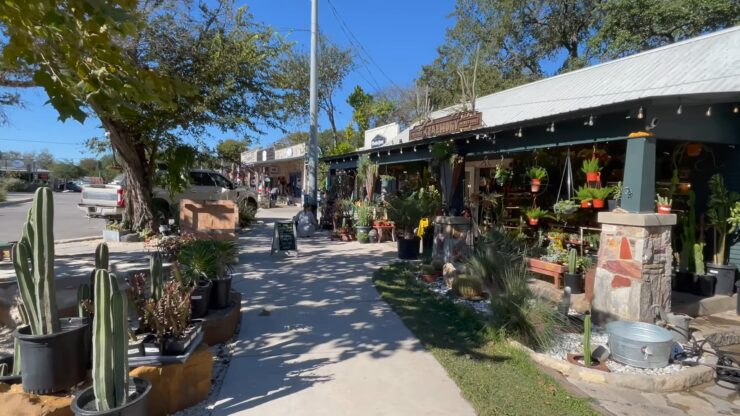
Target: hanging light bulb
x=467 y=140
x=414 y=148
x=551 y=129
x=519 y=133
x=402 y=150
x=736 y=109
x=590 y=120
x=679 y=110
x=640 y=113
x=709 y=111
x=389 y=152
x=378 y=153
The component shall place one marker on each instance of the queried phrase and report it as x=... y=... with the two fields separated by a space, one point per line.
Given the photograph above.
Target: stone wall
x=634 y=268
x=453 y=239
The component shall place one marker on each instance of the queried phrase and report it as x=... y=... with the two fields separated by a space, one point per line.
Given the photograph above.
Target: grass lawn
x=495 y=378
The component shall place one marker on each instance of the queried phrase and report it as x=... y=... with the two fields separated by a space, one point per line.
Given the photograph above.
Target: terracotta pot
x=593 y=177
x=585 y=204
x=595 y=364
x=534 y=221
x=693 y=149
x=429 y=278
x=535 y=185
x=664 y=209
x=598 y=203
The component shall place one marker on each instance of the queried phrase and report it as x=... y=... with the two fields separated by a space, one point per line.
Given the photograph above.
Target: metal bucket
x=639 y=344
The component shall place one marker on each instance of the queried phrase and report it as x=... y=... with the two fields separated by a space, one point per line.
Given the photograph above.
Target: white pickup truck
x=107 y=201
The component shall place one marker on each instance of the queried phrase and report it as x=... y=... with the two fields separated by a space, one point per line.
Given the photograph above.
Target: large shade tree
x=151 y=72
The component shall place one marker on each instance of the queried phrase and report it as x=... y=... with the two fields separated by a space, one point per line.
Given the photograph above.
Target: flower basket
x=664 y=209
x=535 y=185
x=586 y=204
x=598 y=203
x=593 y=176
x=534 y=221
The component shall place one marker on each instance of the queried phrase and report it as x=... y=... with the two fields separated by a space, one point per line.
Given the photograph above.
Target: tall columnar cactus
x=110 y=361
x=572 y=255
x=699 y=258
x=155 y=276
x=102 y=256
x=33 y=260
x=587 y=340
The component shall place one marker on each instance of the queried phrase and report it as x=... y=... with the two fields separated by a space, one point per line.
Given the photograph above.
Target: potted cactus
x=573 y=278
x=664 y=204
x=55 y=351
x=112 y=391
x=592 y=170
x=536 y=175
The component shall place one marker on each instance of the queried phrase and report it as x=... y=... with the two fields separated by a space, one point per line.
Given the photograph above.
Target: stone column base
x=634 y=268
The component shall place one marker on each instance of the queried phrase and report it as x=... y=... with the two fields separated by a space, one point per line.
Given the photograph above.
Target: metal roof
x=703 y=65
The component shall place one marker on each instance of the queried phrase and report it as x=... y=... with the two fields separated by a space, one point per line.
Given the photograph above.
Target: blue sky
x=399 y=37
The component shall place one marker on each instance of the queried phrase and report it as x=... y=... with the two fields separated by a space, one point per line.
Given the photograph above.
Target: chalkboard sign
x=283 y=238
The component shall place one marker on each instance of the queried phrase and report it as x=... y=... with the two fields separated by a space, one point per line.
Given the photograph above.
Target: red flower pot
x=534 y=221
x=535 y=185
x=664 y=209
x=593 y=177
x=598 y=203
x=693 y=149
x=585 y=204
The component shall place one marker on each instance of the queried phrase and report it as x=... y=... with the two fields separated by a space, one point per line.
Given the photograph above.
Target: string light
x=389 y=152
x=640 y=113
x=551 y=128
x=709 y=111
x=736 y=109
x=467 y=140
x=679 y=110
x=414 y=148
x=519 y=133
x=402 y=150
x=590 y=120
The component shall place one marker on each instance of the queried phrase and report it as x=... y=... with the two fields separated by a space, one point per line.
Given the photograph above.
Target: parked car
x=107 y=201
x=72 y=187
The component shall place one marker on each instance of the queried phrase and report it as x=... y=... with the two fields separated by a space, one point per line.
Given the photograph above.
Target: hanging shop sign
x=454 y=123
x=377 y=141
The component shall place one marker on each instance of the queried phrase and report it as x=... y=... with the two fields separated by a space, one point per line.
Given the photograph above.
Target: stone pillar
x=634 y=268
x=453 y=238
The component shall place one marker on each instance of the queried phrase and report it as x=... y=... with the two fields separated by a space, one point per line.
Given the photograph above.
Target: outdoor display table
x=380 y=229
x=546 y=268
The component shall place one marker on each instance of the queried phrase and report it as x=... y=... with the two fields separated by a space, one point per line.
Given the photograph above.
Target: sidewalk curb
x=78 y=239
x=15 y=202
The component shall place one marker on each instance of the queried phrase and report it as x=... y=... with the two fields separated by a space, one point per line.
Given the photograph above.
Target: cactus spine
x=587 y=340
x=36 y=279
x=572 y=261
x=110 y=362
x=155 y=276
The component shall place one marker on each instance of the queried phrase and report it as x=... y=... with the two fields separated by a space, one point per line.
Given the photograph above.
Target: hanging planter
x=693 y=149
x=600 y=195
x=586 y=204
x=585 y=195
x=534 y=215
x=598 y=203
x=534 y=221
x=536 y=174
x=592 y=170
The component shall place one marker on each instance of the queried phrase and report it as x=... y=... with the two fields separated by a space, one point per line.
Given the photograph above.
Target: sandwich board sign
x=284 y=238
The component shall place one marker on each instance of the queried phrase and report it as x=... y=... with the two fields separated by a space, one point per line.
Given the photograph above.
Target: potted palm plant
x=363 y=220
x=719 y=213
x=406 y=214
x=536 y=175
x=54 y=351
x=112 y=391
x=199 y=263
x=600 y=195
x=592 y=170
x=534 y=215
x=226 y=253
x=585 y=195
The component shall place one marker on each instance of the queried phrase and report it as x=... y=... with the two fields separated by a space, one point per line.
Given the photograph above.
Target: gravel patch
x=440 y=288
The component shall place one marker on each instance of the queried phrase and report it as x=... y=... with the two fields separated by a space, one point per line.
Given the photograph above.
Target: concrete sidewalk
x=328 y=344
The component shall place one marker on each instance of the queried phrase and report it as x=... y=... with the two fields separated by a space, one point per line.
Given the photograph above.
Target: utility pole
x=313 y=152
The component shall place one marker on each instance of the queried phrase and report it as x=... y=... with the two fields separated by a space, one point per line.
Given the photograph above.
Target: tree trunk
x=329 y=104
x=138 y=191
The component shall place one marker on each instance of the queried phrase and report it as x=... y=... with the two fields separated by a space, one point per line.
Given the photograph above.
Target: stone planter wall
x=453 y=239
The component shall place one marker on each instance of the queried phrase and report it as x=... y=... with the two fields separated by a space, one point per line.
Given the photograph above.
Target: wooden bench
x=546 y=268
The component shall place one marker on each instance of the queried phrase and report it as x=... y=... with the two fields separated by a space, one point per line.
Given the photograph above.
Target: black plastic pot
x=220 y=293
x=427 y=241
x=685 y=282
x=11 y=379
x=178 y=346
x=83 y=404
x=56 y=362
x=574 y=281
x=200 y=298
x=408 y=249
x=725 y=275
x=363 y=236
x=704 y=285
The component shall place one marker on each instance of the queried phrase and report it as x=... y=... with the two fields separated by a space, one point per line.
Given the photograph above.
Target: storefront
x=277 y=174
x=644 y=133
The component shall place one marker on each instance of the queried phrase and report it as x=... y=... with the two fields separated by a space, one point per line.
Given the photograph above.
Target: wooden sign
x=454 y=123
x=284 y=237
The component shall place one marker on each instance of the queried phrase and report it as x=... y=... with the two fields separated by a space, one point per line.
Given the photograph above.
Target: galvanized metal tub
x=639 y=344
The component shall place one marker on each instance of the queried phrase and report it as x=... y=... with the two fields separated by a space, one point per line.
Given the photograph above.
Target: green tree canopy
x=369 y=112
x=66 y=170
x=230 y=150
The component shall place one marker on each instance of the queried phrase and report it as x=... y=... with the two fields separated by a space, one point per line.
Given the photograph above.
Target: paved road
x=69 y=222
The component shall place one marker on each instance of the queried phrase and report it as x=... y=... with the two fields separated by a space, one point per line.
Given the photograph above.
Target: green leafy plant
x=601 y=193
x=591 y=165
x=405 y=213
x=719 y=212
x=618 y=189
x=495 y=252
x=537 y=172
x=170 y=315
x=502 y=175
x=206 y=259
x=467 y=287
x=247 y=213
x=565 y=207
x=367 y=174
x=536 y=213
x=364 y=214
x=584 y=194
x=663 y=200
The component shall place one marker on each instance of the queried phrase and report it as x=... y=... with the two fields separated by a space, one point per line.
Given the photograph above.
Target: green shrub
x=468 y=287
x=3 y=193
x=427 y=269
x=15 y=185
x=247 y=214
x=519 y=314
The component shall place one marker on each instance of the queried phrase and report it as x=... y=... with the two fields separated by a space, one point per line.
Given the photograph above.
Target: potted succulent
x=616 y=200
x=113 y=231
x=502 y=175
x=585 y=195
x=534 y=215
x=226 y=253
x=577 y=266
x=55 y=351
x=536 y=175
x=406 y=214
x=112 y=391
x=168 y=319
x=592 y=170
x=664 y=204
x=600 y=195
x=199 y=263
x=719 y=214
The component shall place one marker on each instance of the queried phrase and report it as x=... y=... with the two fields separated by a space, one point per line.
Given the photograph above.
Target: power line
x=40 y=141
x=353 y=40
